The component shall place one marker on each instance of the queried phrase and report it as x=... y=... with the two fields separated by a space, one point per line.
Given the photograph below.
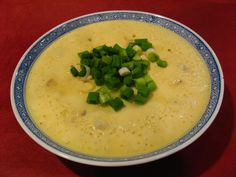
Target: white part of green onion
x=86 y=77
x=124 y=71
x=137 y=49
x=150 y=50
x=87 y=71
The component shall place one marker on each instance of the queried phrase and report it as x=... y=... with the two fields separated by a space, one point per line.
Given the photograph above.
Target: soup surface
x=57 y=101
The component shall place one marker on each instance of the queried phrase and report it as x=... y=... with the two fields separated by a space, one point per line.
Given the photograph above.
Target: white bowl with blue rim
x=30 y=56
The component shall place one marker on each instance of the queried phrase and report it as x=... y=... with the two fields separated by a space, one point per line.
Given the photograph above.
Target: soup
x=57 y=103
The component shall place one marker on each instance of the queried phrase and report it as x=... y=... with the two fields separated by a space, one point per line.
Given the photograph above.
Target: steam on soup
x=57 y=101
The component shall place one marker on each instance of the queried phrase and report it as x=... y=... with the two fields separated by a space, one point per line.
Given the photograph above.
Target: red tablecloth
x=23 y=21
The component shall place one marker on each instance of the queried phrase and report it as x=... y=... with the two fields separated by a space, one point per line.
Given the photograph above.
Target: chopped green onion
x=96 y=73
x=146 y=46
x=128 y=80
x=85 y=54
x=140 y=82
x=129 y=65
x=80 y=73
x=116 y=104
x=104 y=98
x=106 y=59
x=93 y=98
x=130 y=51
x=153 y=57
x=143 y=43
x=137 y=71
x=104 y=95
x=109 y=50
x=117 y=48
x=144 y=63
x=103 y=52
x=96 y=53
x=109 y=70
x=126 y=92
x=97 y=76
x=139 y=99
x=162 y=63
x=144 y=91
x=113 y=83
x=99 y=51
x=147 y=78
x=151 y=86
x=74 y=71
x=96 y=61
x=116 y=61
x=83 y=71
x=86 y=61
x=119 y=70
x=123 y=55
x=137 y=49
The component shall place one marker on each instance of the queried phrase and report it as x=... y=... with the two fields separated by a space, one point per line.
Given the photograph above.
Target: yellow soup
x=57 y=101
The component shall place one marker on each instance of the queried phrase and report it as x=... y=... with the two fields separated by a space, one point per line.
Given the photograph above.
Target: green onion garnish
x=139 y=99
x=80 y=73
x=126 y=92
x=93 y=98
x=119 y=71
x=153 y=57
x=162 y=63
x=143 y=43
x=116 y=103
x=74 y=71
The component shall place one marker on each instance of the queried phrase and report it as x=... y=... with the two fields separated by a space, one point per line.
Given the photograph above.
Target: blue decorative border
x=38 y=47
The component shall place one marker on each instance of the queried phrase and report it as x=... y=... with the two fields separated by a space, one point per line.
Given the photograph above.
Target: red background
x=213 y=155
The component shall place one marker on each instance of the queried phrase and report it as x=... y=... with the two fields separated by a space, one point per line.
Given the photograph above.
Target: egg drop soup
x=57 y=103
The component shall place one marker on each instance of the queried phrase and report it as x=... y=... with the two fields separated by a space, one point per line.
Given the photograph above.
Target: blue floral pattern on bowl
x=28 y=59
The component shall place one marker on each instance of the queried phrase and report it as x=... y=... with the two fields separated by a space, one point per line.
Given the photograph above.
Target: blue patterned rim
x=28 y=59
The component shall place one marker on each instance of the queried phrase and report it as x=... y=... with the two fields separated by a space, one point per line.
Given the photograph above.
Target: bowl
x=30 y=56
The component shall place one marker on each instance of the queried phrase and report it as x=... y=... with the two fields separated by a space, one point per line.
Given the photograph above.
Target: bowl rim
x=117 y=163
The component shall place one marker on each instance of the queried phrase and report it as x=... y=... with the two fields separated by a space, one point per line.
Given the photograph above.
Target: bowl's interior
x=27 y=60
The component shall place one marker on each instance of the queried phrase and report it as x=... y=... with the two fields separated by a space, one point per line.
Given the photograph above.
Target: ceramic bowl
x=30 y=56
